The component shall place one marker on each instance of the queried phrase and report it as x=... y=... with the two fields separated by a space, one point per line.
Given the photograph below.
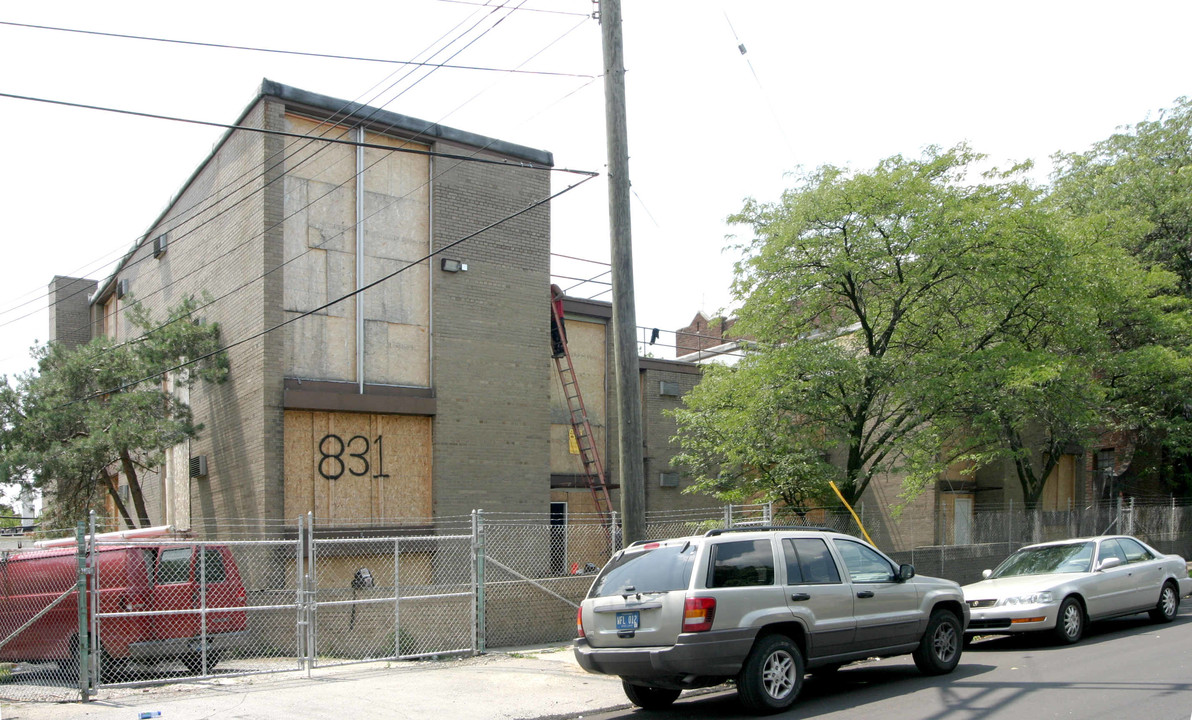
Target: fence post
x=81 y=585
x=93 y=659
x=300 y=592
x=203 y=640
x=478 y=629
x=614 y=534
x=1173 y=518
x=1010 y=528
x=312 y=596
x=728 y=516
x=397 y=597
x=1130 y=524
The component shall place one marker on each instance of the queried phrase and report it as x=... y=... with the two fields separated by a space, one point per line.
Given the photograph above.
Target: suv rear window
x=660 y=570
x=741 y=563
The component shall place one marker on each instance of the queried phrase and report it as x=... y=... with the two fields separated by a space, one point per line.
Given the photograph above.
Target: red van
x=162 y=581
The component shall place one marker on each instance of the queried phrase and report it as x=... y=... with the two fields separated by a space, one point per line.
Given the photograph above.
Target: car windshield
x=1070 y=558
x=660 y=570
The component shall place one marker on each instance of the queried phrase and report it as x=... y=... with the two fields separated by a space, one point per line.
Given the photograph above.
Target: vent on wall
x=122 y=288
x=159 y=245
x=198 y=466
x=668 y=389
x=668 y=479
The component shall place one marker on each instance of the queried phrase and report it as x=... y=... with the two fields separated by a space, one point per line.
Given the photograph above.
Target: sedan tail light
x=698 y=614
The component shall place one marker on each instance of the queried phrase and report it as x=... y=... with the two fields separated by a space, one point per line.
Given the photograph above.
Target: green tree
x=1136 y=186
x=1140 y=181
x=740 y=442
x=89 y=414
x=908 y=317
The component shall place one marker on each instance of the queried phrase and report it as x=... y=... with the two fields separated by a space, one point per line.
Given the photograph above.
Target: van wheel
x=194 y=662
x=772 y=675
x=1168 y=606
x=68 y=666
x=649 y=698
x=940 y=648
x=1069 y=624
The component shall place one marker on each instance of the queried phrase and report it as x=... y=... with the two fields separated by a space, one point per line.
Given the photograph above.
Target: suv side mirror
x=906 y=571
x=1110 y=562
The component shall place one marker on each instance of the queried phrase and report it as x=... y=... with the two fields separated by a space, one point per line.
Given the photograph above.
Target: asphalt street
x=1122 y=669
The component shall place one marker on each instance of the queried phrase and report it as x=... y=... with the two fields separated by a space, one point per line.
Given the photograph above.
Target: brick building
x=425 y=395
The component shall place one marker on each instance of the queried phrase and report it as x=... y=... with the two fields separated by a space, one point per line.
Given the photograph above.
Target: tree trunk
x=134 y=487
x=114 y=491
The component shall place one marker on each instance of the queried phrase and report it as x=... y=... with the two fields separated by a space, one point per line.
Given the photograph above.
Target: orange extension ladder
x=589 y=455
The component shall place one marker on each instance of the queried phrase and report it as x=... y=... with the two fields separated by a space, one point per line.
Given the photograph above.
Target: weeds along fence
x=241 y=597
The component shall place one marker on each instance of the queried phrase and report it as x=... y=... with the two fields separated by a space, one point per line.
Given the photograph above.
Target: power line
x=283 y=133
x=522 y=9
x=572 y=257
x=324 y=56
x=333 y=115
x=346 y=296
x=309 y=204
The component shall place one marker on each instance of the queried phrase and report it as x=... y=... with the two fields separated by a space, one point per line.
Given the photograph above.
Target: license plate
x=628 y=620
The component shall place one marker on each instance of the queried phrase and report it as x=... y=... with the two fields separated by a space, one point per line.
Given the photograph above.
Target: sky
x=842 y=82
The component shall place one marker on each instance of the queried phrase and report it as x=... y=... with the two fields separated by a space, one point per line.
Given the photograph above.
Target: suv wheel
x=940 y=648
x=772 y=675
x=649 y=698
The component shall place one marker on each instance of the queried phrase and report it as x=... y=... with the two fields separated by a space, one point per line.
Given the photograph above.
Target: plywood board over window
x=357 y=467
x=1059 y=492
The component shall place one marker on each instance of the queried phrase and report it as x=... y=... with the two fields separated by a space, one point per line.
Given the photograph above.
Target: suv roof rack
x=761 y=528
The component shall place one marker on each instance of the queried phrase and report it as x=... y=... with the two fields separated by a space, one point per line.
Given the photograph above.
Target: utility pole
x=631 y=473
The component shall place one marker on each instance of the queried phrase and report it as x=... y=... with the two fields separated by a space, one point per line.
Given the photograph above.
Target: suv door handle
x=800 y=596
x=865 y=594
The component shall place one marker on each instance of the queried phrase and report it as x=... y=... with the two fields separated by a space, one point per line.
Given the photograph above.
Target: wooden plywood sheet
x=357 y=467
x=299 y=490
x=407 y=462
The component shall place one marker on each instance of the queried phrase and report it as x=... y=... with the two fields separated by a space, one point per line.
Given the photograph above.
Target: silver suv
x=760 y=606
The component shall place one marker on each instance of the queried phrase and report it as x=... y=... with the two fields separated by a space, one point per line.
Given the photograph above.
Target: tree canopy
x=88 y=414
x=911 y=316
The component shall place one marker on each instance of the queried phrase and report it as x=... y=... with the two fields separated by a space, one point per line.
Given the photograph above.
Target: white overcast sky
x=831 y=82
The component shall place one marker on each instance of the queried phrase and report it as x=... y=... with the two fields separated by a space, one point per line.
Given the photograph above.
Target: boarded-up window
x=353 y=467
x=1059 y=493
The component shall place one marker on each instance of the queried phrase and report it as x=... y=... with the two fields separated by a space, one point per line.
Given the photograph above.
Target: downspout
x=358 y=136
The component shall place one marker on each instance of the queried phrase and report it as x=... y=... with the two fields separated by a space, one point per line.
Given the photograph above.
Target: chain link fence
x=233 y=598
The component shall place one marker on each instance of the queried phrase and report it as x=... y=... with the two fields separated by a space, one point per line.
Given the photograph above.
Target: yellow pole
x=850 y=510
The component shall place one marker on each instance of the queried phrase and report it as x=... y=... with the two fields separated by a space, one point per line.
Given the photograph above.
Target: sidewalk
x=505 y=684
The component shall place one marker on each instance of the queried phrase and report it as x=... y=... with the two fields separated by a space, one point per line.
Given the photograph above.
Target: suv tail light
x=579 y=622
x=698 y=614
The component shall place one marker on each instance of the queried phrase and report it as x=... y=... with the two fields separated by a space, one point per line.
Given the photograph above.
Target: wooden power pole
x=631 y=473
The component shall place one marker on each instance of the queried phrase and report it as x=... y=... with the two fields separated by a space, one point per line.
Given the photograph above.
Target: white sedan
x=1061 y=586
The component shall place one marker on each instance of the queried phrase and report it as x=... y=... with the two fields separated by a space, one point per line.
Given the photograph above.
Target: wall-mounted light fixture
x=453 y=265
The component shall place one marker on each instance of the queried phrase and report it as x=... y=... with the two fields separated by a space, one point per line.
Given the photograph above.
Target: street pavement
x=538 y=682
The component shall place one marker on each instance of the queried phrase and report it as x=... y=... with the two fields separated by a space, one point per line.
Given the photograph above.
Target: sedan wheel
x=1069 y=625
x=1169 y=604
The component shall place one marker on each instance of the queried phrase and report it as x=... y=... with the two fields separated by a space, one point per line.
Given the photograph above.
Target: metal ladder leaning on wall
x=580 y=425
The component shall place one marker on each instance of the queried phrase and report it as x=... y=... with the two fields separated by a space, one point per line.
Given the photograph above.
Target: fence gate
x=389 y=597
